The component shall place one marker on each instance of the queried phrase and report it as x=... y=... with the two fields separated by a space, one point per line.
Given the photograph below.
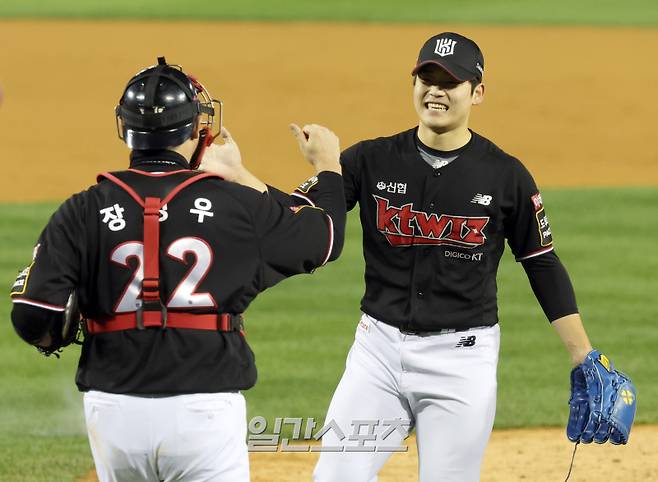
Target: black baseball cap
x=454 y=53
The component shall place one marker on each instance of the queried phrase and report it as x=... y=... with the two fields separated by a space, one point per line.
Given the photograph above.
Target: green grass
x=585 y=12
x=301 y=331
x=41 y=423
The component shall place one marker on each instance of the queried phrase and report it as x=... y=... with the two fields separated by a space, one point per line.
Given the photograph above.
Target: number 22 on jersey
x=184 y=296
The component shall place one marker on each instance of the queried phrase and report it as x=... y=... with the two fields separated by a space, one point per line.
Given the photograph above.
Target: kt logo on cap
x=445 y=46
x=463 y=63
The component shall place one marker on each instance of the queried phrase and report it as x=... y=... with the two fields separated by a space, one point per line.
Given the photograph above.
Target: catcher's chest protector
x=152 y=192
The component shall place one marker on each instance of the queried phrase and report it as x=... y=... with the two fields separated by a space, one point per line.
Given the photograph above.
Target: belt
x=130 y=321
x=442 y=331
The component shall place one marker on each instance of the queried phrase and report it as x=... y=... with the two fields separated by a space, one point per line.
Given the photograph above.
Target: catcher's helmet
x=161 y=107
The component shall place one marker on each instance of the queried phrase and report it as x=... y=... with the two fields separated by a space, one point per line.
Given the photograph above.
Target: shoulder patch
x=20 y=285
x=545 y=236
x=306 y=186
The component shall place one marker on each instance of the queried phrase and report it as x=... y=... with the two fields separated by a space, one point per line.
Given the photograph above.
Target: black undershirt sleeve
x=551 y=284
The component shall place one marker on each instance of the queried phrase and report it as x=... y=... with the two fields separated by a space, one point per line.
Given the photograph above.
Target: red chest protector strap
x=152 y=309
x=152 y=312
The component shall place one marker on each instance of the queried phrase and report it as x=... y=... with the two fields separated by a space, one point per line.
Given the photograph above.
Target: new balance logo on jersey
x=483 y=199
x=402 y=226
x=445 y=46
x=466 y=341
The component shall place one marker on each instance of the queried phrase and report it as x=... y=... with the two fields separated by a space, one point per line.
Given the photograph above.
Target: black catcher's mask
x=161 y=107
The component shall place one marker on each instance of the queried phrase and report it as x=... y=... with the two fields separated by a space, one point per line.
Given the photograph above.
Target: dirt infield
x=574 y=104
x=522 y=455
x=529 y=455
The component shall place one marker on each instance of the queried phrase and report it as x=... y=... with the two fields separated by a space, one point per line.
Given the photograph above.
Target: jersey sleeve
x=56 y=261
x=526 y=224
x=349 y=160
x=326 y=191
x=41 y=290
x=305 y=193
x=299 y=239
x=283 y=197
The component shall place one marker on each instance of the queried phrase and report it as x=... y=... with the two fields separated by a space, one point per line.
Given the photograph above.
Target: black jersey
x=220 y=245
x=433 y=238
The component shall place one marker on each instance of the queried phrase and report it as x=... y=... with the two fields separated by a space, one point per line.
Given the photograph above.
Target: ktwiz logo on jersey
x=402 y=226
x=445 y=46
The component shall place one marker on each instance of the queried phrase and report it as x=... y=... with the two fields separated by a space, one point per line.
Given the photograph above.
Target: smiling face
x=442 y=103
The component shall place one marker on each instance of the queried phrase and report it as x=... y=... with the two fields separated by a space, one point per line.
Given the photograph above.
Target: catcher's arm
x=226 y=160
x=49 y=331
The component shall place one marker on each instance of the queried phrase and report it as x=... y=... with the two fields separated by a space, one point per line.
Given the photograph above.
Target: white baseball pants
x=444 y=384
x=185 y=438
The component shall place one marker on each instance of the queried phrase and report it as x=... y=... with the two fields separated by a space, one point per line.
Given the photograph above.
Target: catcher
x=164 y=259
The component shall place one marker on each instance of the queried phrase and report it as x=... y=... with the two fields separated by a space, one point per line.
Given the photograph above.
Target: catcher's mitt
x=602 y=404
x=67 y=332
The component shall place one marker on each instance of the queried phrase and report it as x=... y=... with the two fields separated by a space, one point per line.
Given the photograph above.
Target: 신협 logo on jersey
x=402 y=226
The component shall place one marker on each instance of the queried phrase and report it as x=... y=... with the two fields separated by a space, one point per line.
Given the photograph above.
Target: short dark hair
x=474 y=83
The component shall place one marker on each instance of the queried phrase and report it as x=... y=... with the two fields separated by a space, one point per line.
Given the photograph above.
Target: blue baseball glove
x=602 y=404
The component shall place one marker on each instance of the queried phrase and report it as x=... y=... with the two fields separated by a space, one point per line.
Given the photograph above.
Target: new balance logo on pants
x=466 y=341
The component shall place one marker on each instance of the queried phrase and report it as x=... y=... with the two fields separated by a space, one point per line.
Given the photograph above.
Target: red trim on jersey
x=125 y=186
x=536 y=253
x=128 y=321
x=331 y=240
x=38 y=304
x=156 y=174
